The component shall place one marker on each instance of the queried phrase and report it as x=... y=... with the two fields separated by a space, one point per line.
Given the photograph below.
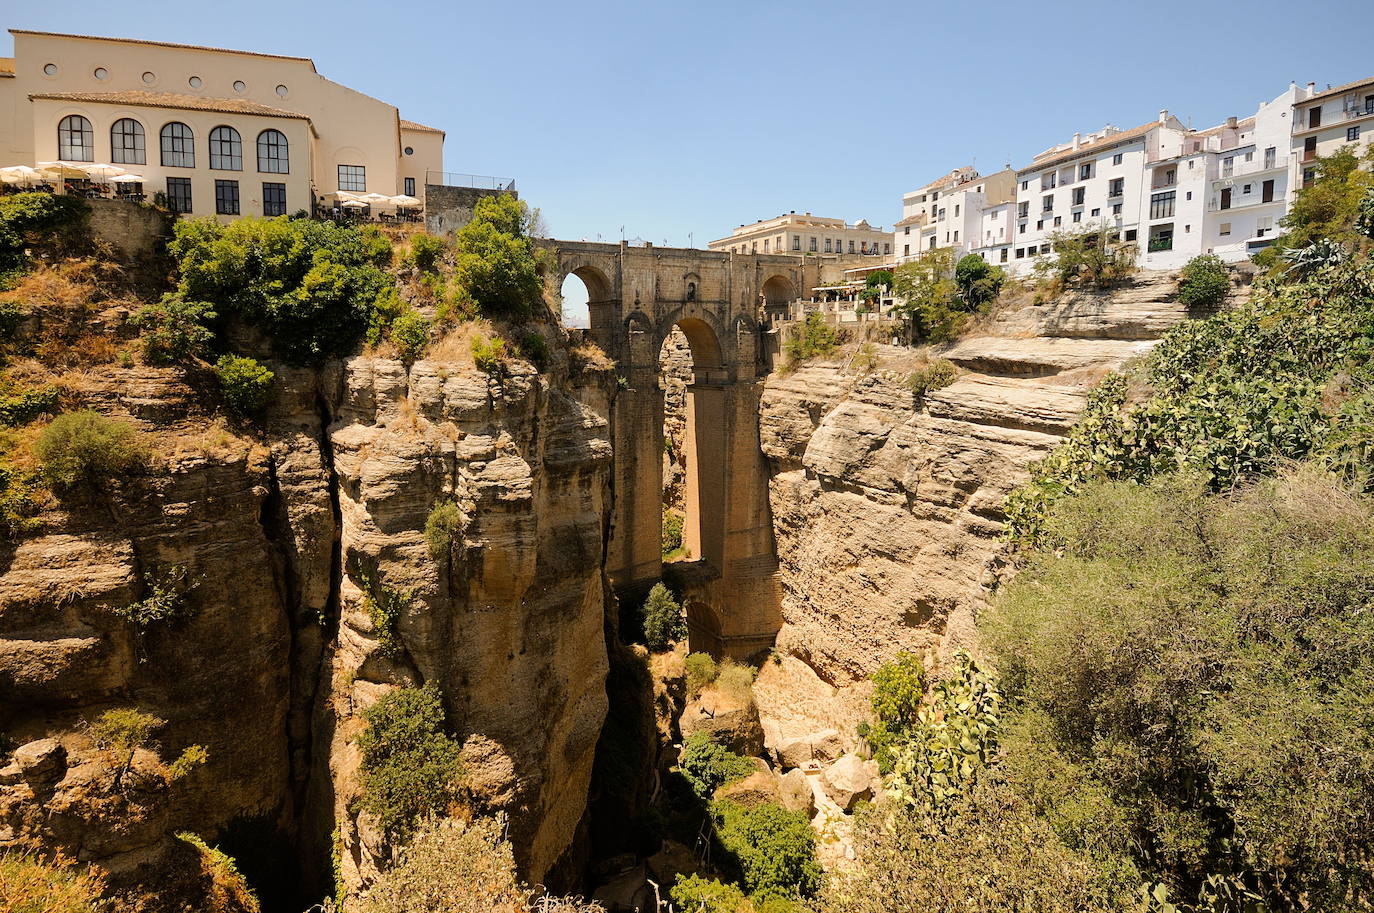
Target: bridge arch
x=778 y=290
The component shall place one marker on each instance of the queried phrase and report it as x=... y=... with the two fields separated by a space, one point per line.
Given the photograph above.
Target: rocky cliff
x=280 y=529
x=887 y=504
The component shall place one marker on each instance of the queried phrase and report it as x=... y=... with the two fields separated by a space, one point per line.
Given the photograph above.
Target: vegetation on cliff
x=410 y=764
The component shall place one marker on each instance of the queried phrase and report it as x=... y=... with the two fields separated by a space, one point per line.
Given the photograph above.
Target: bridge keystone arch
x=721 y=302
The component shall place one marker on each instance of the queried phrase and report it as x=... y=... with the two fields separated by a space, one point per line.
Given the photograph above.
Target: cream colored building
x=1326 y=120
x=793 y=233
x=219 y=132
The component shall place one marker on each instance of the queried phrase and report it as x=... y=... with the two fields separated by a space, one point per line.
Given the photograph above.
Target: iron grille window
x=179 y=194
x=226 y=149
x=178 y=146
x=227 y=198
x=75 y=139
x=273 y=199
x=128 y=145
x=1162 y=204
x=273 y=153
x=353 y=178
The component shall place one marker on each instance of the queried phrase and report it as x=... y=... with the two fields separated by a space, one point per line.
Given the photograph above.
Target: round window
x=150 y=77
x=409 y=151
x=50 y=69
x=281 y=91
x=194 y=82
x=240 y=85
x=101 y=73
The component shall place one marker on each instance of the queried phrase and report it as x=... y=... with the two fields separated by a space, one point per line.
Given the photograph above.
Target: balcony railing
x=1159 y=244
x=475 y=181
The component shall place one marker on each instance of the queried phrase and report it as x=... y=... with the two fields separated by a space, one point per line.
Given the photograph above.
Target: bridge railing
x=475 y=181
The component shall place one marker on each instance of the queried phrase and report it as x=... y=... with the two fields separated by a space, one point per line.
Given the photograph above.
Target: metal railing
x=475 y=181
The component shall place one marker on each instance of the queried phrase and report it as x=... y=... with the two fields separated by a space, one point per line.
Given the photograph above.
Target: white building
x=1327 y=120
x=917 y=230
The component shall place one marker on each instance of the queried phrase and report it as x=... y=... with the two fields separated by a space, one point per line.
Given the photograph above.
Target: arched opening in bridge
x=575 y=298
x=690 y=377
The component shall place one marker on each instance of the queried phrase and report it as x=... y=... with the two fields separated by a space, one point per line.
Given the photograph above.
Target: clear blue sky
x=692 y=117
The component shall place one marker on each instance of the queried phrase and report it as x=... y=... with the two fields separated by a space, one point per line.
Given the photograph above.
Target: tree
x=1328 y=207
x=928 y=296
x=1203 y=282
x=410 y=764
x=174 y=329
x=663 y=620
x=496 y=263
x=979 y=282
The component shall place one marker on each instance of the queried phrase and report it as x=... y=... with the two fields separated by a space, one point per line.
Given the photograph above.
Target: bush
x=37 y=219
x=489 y=355
x=707 y=765
x=701 y=671
x=774 y=848
x=165 y=603
x=310 y=286
x=979 y=282
x=672 y=532
x=192 y=757
x=409 y=333
x=1203 y=282
x=496 y=263
x=121 y=732
x=442 y=526
x=426 y=250
x=899 y=688
x=814 y=338
x=535 y=347
x=1091 y=254
x=86 y=447
x=410 y=764
x=20 y=405
x=174 y=329
x=663 y=620
x=699 y=894
x=227 y=891
x=245 y=383
x=33 y=884
x=736 y=681
x=933 y=375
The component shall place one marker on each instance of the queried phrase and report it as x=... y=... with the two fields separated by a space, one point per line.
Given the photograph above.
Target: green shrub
x=736 y=681
x=814 y=338
x=19 y=501
x=409 y=333
x=174 y=329
x=899 y=688
x=33 y=884
x=310 y=286
x=663 y=619
x=496 y=263
x=37 y=219
x=701 y=671
x=245 y=383
x=20 y=405
x=699 y=894
x=878 y=279
x=384 y=606
x=979 y=282
x=410 y=764
x=165 y=603
x=121 y=732
x=192 y=757
x=1203 y=282
x=426 y=251
x=535 y=347
x=442 y=526
x=672 y=532
x=226 y=890
x=927 y=295
x=86 y=447
x=933 y=375
x=489 y=355
x=707 y=765
x=774 y=848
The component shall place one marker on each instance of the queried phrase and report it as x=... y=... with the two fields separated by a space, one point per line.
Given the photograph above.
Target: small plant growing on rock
x=933 y=375
x=701 y=671
x=707 y=765
x=165 y=604
x=426 y=251
x=410 y=764
x=489 y=355
x=121 y=732
x=86 y=447
x=442 y=525
x=672 y=528
x=245 y=382
x=30 y=883
x=736 y=682
x=663 y=620
x=384 y=606
x=174 y=329
x=409 y=333
x=1203 y=282
x=227 y=890
x=535 y=347
x=194 y=756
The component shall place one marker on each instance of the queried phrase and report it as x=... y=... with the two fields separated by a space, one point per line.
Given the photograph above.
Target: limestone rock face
x=758 y=788
x=733 y=723
x=887 y=506
x=850 y=780
x=796 y=792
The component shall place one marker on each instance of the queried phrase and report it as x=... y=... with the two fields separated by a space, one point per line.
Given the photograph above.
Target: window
x=1025 y=185
x=1058 y=221
x=409 y=187
x=1250 y=156
x=1021 y=229
x=906 y=250
x=1263 y=225
x=75 y=139
x=1020 y=253
x=1078 y=216
x=851 y=245
x=956 y=210
x=1245 y=189
x=1079 y=193
x=1228 y=166
x=1162 y=204
x=1023 y=209
x=1117 y=159
x=1085 y=171
x=1096 y=213
x=812 y=246
x=1117 y=187
x=128 y=145
x=273 y=199
x=1116 y=209
x=1309 y=175
x=941 y=215
x=1048 y=181
x=178 y=147
x=1003 y=256
x=956 y=237
x=765 y=245
x=1314 y=116
x=1224 y=229
x=179 y=194
x=1267 y=192
x=996 y=214
x=1130 y=234
x=1040 y=225
x=887 y=247
x=1369 y=104
x=796 y=242
x=273 y=154
x=1047 y=203
x=1270 y=157
x=827 y=245
x=1352 y=134
x=227 y=198
x=353 y=177
x=226 y=149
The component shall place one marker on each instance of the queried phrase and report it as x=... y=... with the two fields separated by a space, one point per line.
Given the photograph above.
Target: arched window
x=178 y=146
x=75 y=139
x=127 y=143
x=226 y=149
x=273 y=155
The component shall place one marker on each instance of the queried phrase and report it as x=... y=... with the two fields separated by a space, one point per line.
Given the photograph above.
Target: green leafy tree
x=410 y=764
x=774 y=848
x=979 y=282
x=663 y=619
x=1329 y=206
x=1091 y=254
x=879 y=279
x=245 y=382
x=899 y=688
x=174 y=329
x=496 y=263
x=928 y=297
x=409 y=333
x=707 y=765
x=1203 y=282
x=442 y=527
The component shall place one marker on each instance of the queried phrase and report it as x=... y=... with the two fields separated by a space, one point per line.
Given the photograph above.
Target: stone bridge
x=720 y=301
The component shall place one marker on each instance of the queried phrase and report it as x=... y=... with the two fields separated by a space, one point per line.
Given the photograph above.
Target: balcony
x=1161 y=244
x=1164 y=183
x=470 y=181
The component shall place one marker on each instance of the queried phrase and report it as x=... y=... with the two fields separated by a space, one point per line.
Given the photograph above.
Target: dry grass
x=455 y=345
x=736 y=682
x=588 y=356
x=30 y=883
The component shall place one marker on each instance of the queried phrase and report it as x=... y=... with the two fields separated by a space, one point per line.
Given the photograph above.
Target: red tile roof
x=162 y=44
x=170 y=100
x=1338 y=90
x=420 y=128
x=1105 y=142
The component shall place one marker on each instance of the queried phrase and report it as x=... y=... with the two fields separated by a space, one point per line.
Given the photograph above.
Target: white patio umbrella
x=375 y=198
x=353 y=204
x=404 y=200
x=345 y=196
x=19 y=174
x=60 y=169
x=127 y=178
x=100 y=170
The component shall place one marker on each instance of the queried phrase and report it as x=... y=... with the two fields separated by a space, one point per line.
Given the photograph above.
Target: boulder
x=673 y=860
x=43 y=762
x=759 y=788
x=827 y=746
x=793 y=752
x=850 y=780
x=728 y=722
x=797 y=795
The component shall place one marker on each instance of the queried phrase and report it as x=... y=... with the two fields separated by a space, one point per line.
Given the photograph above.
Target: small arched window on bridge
x=691 y=291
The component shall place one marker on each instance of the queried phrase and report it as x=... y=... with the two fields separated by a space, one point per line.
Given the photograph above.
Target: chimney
x=1311 y=89
x=1231 y=122
x=1163 y=115
x=1077 y=140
